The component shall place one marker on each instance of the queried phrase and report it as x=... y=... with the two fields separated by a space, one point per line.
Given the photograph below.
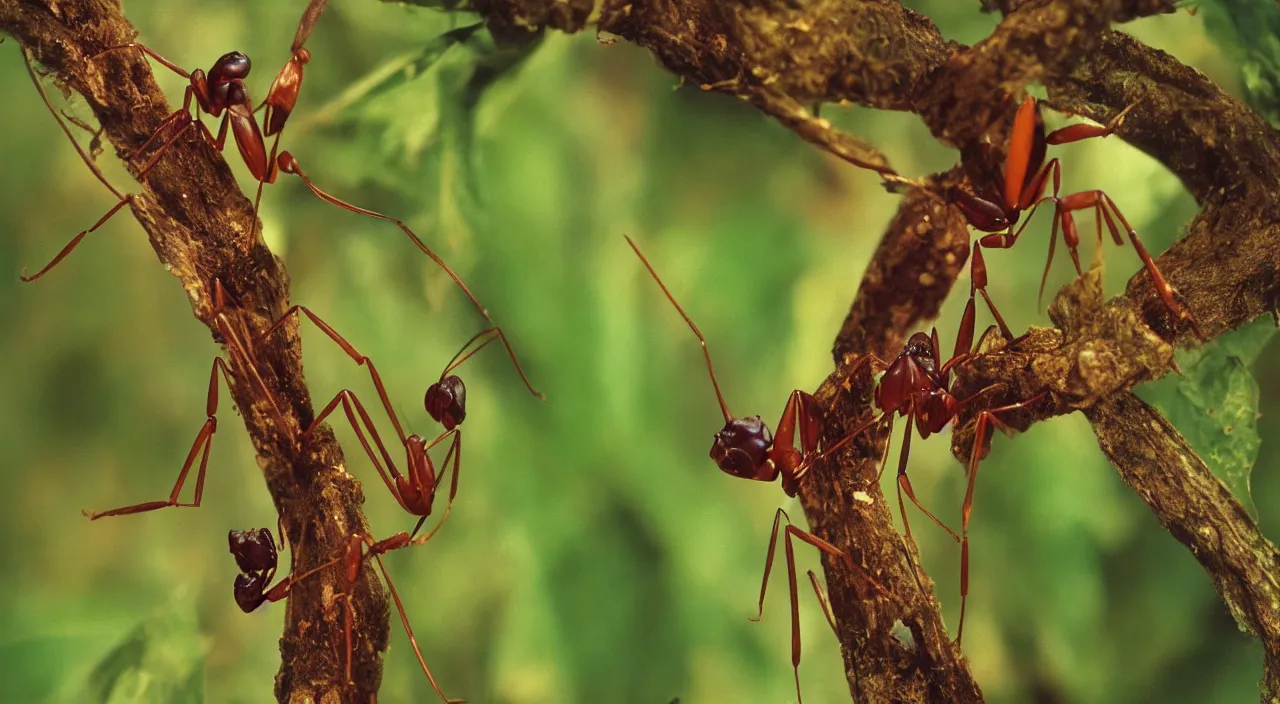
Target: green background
x=595 y=553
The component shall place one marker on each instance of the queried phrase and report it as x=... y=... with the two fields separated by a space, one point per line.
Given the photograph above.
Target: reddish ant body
x=445 y=400
x=1002 y=192
x=746 y=448
x=222 y=93
x=256 y=555
x=917 y=387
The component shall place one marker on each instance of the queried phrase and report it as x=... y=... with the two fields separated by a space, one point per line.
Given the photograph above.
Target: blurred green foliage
x=595 y=554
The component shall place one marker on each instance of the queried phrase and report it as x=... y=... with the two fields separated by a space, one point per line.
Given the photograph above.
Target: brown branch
x=1200 y=512
x=197 y=220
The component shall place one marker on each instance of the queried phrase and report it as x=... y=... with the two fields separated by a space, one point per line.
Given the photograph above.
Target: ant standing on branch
x=745 y=448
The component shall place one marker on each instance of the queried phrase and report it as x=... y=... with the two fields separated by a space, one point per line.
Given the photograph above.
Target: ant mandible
x=1002 y=193
x=746 y=448
x=916 y=386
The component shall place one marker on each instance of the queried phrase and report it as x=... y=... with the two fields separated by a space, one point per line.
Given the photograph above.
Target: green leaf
x=1217 y=404
x=1248 y=31
x=161 y=660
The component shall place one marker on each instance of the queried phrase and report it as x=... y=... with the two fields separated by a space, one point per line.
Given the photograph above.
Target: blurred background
x=595 y=553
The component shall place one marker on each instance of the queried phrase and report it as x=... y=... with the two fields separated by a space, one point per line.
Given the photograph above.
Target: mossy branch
x=779 y=55
x=198 y=220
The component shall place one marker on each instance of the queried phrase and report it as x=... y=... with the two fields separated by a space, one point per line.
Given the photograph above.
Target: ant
x=918 y=386
x=256 y=555
x=445 y=401
x=221 y=93
x=236 y=347
x=746 y=448
x=1001 y=193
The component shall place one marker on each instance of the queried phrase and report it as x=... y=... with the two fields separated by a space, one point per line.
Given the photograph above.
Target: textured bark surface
x=197 y=219
x=782 y=57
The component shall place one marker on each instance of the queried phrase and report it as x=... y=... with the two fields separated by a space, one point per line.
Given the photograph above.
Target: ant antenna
x=494 y=333
x=724 y=408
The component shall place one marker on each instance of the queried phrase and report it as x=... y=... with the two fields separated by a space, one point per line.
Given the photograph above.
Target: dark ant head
x=254 y=550
x=741 y=448
x=920 y=348
x=446 y=401
x=229 y=67
x=248 y=590
x=912 y=372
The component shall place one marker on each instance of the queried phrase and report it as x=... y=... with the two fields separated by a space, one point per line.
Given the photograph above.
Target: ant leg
x=203 y=443
x=1083 y=130
x=788 y=546
x=404 y=621
x=455 y=452
x=354 y=354
x=124 y=200
x=826 y=605
x=149 y=52
x=977 y=285
x=288 y=164
x=348 y=399
x=1107 y=207
x=88 y=161
x=904 y=485
x=981 y=440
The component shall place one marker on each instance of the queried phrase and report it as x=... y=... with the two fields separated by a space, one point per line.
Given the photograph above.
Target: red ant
x=256 y=555
x=236 y=346
x=914 y=385
x=353 y=560
x=746 y=448
x=221 y=91
x=1001 y=194
x=445 y=401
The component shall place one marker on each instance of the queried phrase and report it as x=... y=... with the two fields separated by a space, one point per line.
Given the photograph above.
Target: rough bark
x=198 y=220
x=782 y=56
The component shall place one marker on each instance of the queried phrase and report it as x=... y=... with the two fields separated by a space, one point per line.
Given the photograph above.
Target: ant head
x=920 y=349
x=912 y=372
x=254 y=550
x=741 y=448
x=248 y=590
x=446 y=401
x=230 y=66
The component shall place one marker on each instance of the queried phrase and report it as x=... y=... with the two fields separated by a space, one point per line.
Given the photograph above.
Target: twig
x=197 y=220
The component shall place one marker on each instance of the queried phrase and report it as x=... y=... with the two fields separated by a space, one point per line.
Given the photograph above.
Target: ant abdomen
x=741 y=448
x=248 y=590
x=446 y=402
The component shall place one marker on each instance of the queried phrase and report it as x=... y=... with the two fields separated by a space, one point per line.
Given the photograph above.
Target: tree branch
x=198 y=221
x=780 y=56
x=1199 y=511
